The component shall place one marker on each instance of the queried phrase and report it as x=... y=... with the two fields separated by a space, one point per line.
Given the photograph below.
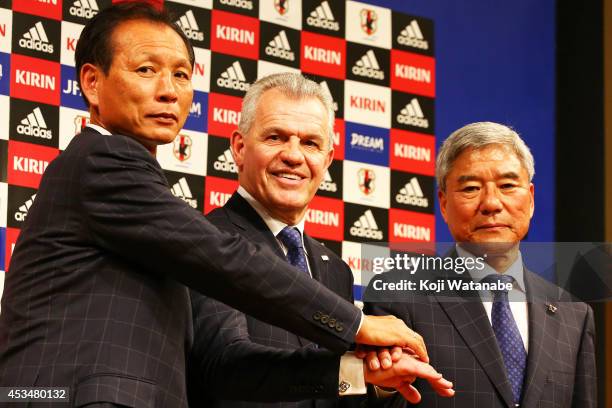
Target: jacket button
x=332 y=323
x=339 y=327
x=317 y=316
x=324 y=319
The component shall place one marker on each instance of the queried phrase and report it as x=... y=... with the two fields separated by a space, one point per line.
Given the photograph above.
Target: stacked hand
x=399 y=366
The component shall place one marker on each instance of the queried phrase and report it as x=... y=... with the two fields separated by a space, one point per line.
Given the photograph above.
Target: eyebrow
x=470 y=177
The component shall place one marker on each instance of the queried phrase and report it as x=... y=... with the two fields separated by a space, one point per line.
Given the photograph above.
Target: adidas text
x=412 y=42
x=82 y=12
x=284 y=54
x=366 y=233
x=411 y=120
x=245 y=4
x=36 y=45
x=368 y=72
x=35 y=131
x=328 y=186
x=411 y=200
x=233 y=84
x=326 y=24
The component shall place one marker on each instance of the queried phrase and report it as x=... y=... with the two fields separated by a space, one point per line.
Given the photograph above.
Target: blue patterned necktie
x=292 y=240
x=508 y=336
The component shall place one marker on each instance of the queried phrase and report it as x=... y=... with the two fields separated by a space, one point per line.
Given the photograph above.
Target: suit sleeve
x=228 y=365
x=585 y=385
x=131 y=212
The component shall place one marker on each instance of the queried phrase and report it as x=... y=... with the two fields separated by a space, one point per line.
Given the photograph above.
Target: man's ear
x=90 y=77
x=442 y=202
x=237 y=146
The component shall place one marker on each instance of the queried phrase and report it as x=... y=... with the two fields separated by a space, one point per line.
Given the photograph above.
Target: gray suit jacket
x=238 y=358
x=95 y=297
x=462 y=346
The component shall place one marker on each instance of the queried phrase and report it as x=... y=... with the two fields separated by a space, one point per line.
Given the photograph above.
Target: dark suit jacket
x=462 y=346
x=95 y=301
x=238 y=357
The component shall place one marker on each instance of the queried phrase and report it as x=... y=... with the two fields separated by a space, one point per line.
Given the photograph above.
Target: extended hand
x=390 y=331
x=402 y=374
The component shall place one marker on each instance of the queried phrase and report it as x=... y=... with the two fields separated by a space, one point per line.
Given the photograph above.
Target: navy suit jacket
x=95 y=297
x=238 y=357
x=462 y=345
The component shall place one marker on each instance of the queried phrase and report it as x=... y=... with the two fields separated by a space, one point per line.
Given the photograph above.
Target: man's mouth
x=164 y=116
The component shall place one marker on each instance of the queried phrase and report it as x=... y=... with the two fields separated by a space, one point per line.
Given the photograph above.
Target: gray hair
x=290 y=84
x=477 y=136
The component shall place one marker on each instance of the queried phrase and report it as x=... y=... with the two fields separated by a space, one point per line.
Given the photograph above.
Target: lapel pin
x=552 y=308
x=325 y=257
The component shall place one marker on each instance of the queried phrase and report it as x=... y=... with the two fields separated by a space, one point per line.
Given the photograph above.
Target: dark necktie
x=508 y=336
x=292 y=240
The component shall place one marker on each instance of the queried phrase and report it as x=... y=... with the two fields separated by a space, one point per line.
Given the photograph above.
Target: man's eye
x=145 y=70
x=311 y=143
x=507 y=186
x=470 y=189
x=182 y=74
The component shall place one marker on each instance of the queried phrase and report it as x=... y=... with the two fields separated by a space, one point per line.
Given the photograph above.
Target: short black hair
x=95 y=43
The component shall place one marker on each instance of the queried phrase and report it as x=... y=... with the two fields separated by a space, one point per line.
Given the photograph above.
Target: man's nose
x=292 y=151
x=491 y=201
x=166 y=88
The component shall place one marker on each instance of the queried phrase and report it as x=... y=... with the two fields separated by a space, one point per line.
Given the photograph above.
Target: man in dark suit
x=283 y=146
x=94 y=299
x=530 y=346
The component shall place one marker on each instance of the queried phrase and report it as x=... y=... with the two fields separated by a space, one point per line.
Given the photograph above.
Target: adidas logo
x=233 y=78
x=244 y=4
x=328 y=184
x=190 y=27
x=84 y=8
x=412 y=36
x=34 y=125
x=412 y=114
x=326 y=87
x=36 y=39
x=279 y=47
x=181 y=190
x=225 y=162
x=22 y=212
x=367 y=66
x=323 y=17
x=412 y=194
x=366 y=227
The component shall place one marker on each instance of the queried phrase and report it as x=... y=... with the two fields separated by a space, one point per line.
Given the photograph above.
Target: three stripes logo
x=84 y=8
x=366 y=227
x=34 y=125
x=225 y=162
x=412 y=36
x=323 y=17
x=367 y=66
x=190 y=27
x=181 y=190
x=36 y=39
x=279 y=47
x=22 y=212
x=412 y=114
x=233 y=78
x=328 y=184
x=412 y=194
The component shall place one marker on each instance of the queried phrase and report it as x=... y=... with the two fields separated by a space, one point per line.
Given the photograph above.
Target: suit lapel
x=318 y=266
x=470 y=319
x=542 y=321
x=243 y=216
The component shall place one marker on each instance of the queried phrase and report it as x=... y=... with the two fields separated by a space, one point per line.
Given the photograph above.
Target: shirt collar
x=273 y=224
x=515 y=270
x=99 y=129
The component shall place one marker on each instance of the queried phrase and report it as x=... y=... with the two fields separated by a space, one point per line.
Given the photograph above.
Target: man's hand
x=402 y=374
x=390 y=331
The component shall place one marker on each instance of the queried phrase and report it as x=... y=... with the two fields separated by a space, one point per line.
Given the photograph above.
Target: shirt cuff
x=351 y=379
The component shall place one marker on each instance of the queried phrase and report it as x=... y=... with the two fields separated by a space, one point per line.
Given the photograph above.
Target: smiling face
x=488 y=197
x=147 y=91
x=284 y=156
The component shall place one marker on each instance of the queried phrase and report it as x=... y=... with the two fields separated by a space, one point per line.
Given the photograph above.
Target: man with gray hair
x=283 y=147
x=524 y=342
